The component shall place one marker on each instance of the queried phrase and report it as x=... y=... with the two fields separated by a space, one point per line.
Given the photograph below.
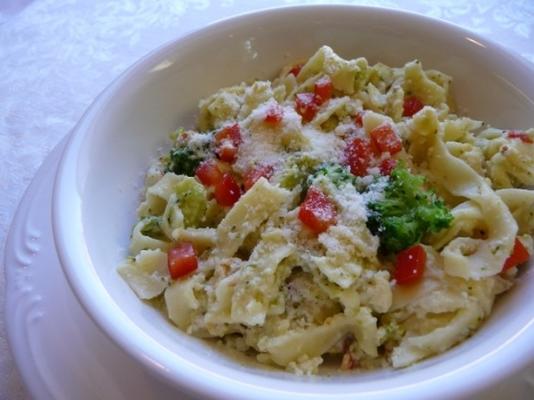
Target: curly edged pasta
x=339 y=213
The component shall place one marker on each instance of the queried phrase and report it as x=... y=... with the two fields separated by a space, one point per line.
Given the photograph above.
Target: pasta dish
x=340 y=213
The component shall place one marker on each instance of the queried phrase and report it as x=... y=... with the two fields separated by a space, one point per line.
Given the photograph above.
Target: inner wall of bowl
x=162 y=93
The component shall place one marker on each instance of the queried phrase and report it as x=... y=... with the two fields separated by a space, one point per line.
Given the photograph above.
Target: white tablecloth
x=57 y=55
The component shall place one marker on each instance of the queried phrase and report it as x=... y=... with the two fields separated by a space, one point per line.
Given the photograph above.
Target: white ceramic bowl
x=99 y=180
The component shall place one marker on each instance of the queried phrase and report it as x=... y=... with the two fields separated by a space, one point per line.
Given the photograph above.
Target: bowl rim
x=94 y=296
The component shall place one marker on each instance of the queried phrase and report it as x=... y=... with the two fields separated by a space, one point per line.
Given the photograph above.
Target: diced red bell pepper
x=181 y=260
x=227 y=191
x=317 y=211
x=358 y=119
x=358 y=156
x=323 y=90
x=227 y=142
x=519 y=256
x=306 y=106
x=523 y=136
x=252 y=175
x=410 y=265
x=295 y=70
x=387 y=165
x=384 y=138
x=411 y=106
x=208 y=173
x=227 y=153
x=231 y=133
x=274 y=115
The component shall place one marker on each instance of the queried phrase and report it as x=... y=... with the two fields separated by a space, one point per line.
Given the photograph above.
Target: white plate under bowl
x=99 y=179
x=58 y=350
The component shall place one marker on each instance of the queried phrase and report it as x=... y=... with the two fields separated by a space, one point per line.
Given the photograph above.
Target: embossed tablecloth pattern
x=57 y=55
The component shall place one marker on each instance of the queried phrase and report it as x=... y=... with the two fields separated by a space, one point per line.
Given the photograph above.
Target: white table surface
x=57 y=55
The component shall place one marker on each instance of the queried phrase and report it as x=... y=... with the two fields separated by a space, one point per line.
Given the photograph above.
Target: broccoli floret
x=183 y=161
x=407 y=212
x=338 y=174
x=187 y=154
x=193 y=201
